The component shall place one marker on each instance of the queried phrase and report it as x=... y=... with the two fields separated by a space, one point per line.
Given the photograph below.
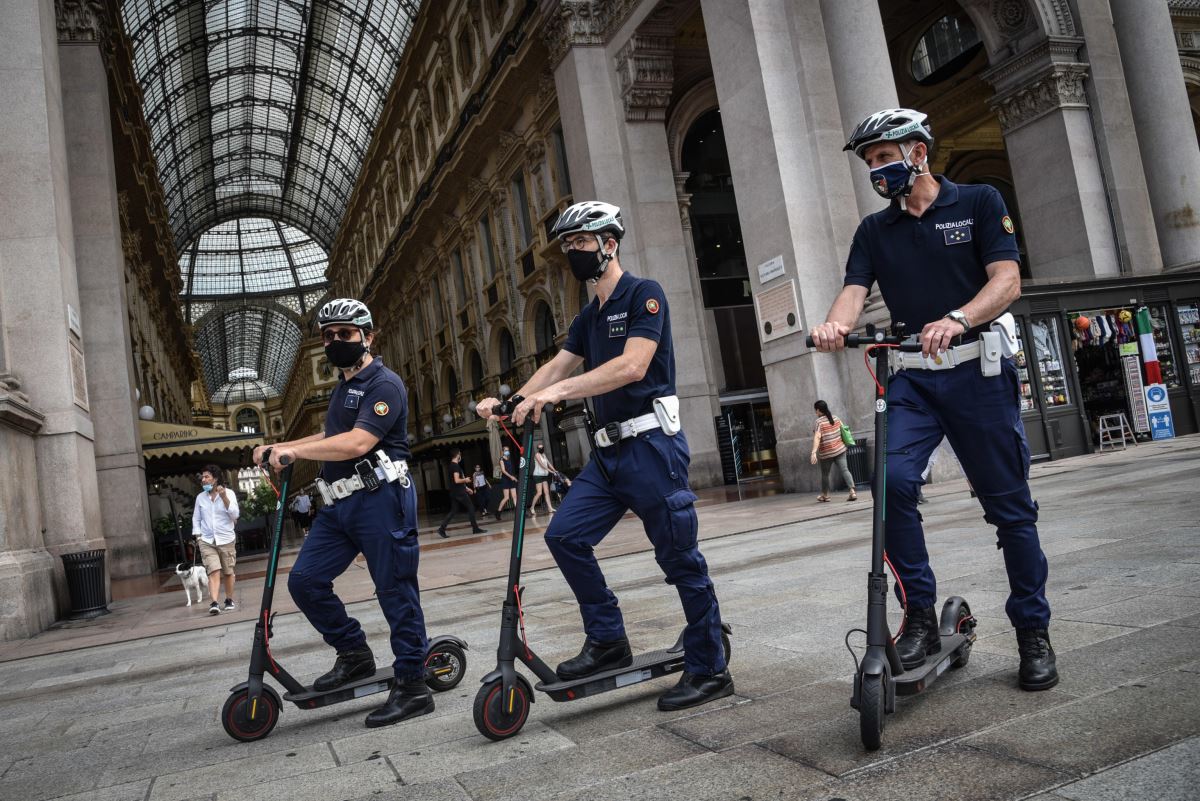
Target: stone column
x=104 y=307
x=38 y=287
x=1043 y=111
x=775 y=86
x=617 y=151
x=862 y=76
x=1165 y=132
x=1117 y=142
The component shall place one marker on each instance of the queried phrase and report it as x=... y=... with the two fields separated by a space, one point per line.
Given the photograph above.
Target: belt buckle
x=613 y=432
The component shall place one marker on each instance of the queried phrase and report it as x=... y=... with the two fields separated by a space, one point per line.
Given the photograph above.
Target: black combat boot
x=358 y=663
x=1038 y=669
x=693 y=690
x=595 y=657
x=407 y=699
x=920 y=637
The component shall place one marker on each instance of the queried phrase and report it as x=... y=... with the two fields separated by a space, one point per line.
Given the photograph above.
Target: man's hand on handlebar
x=259 y=453
x=280 y=457
x=829 y=337
x=486 y=408
x=532 y=406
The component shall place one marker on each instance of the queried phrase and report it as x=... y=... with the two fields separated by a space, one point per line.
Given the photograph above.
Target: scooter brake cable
x=516 y=442
x=521 y=619
x=867 y=360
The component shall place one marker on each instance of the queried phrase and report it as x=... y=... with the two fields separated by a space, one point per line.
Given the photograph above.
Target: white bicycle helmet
x=589 y=216
x=345 y=311
x=890 y=125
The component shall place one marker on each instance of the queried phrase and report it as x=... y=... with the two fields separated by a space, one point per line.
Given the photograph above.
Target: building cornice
x=1037 y=82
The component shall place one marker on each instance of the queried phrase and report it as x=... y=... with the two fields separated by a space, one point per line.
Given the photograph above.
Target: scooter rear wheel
x=727 y=647
x=870 y=711
x=964 y=619
x=496 y=719
x=235 y=714
x=445 y=666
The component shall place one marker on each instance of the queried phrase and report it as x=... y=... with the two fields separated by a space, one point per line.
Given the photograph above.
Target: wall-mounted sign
x=770 y=269
x=778 y=311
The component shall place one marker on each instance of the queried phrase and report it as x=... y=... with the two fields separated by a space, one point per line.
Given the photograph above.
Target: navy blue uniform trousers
x=649 y=475
x=382 y=526
x=981 y=418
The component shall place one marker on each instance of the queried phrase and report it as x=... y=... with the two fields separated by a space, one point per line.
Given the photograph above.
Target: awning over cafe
x=171 y=449
x=473 y=431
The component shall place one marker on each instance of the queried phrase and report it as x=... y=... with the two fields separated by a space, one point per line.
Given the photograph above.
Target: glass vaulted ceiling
x=260 y=113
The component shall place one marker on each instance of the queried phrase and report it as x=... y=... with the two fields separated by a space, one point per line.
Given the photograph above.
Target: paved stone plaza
x=138 y=719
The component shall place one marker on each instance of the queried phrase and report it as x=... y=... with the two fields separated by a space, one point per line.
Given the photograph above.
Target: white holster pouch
x=990 y=347
x=666 y=409
x=1006 y=326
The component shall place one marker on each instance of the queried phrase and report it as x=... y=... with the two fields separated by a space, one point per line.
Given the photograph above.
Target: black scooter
x=502 y=703
x=252 y=708
x=880 y=676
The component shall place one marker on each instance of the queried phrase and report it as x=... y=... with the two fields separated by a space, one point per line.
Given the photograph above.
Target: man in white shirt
x=213 y=520
x=302 y=512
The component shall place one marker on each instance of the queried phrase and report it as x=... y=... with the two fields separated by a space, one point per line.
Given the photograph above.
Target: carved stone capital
x=1037 y=82
x=507 y=142
x=645 y=66
x=81 y=20
x=684 y=199
x=581 y=23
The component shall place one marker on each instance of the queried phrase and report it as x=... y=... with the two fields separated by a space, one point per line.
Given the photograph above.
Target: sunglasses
x=344 y=334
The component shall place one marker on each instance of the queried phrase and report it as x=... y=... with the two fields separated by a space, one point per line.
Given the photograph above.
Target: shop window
x=1189 y=325
x=944 y=49
x=1047 y=350
x=1028 y=401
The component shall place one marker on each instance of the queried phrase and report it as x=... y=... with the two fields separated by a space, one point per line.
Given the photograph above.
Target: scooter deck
x=645 y=667
x=915 y=680
x=381 y=681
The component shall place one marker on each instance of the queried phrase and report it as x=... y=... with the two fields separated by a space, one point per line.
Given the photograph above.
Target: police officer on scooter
x=623 y=340
x=371 y=508
x=947 y=265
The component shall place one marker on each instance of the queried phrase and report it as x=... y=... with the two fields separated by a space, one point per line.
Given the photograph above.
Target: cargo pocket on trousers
x=681 y=514
x=405 y=555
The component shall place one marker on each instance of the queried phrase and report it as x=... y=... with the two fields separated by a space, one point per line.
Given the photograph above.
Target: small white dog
x=192 y=577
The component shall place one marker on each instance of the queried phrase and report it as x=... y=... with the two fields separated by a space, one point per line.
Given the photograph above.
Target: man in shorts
x=213 y=519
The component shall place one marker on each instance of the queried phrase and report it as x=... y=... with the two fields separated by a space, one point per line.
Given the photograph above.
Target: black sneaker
x=920 y=637
x=442 y=533
x=693 y=690
x=213 y=609
x=229 y=605
x=595 y=657
x=1039 y=669
x=350 y=665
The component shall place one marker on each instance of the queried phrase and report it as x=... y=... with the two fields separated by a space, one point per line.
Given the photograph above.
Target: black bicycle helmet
x=890 y=125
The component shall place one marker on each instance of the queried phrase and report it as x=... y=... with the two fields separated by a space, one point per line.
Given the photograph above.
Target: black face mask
x=345 y=354
x=587 y=265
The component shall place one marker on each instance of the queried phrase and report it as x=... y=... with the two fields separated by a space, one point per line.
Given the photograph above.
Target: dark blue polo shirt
x=933 y=264
x=374 y=400
x=636 y=308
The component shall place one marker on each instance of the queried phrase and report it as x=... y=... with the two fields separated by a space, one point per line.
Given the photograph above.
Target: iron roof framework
x=260 y=114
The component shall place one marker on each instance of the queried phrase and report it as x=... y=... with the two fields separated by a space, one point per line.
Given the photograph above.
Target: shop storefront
x=1085 y=356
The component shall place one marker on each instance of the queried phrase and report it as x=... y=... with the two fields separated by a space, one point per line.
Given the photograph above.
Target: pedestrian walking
x=829 y=450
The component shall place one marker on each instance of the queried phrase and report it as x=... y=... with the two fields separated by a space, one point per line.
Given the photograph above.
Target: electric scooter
x=502 y=703
x=252 y=708
x=880 y=676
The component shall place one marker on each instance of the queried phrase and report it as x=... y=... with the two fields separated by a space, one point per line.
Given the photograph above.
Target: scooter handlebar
x=505 y=407
x=907 y=344
x=283 y=460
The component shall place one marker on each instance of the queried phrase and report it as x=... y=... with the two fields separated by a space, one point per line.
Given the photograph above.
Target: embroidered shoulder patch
x=381 y=408
x=1007 y=222
x=652 y=306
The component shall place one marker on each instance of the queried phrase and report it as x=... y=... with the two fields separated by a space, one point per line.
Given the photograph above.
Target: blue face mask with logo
x=895 y=179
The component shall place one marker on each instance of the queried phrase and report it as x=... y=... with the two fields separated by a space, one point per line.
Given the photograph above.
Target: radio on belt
x=366 y=474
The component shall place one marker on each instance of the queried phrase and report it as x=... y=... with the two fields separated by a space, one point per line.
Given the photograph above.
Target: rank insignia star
x=957 y=236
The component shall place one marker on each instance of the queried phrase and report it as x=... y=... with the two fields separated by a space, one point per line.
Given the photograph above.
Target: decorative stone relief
x=1038 y=81
x=507 y=142
x=684 y=198
x=1010 y=16
x=81 y=20
x=582 y=23
x=646 y=69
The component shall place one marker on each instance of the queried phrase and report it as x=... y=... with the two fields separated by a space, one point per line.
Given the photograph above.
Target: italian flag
x=1145 y=330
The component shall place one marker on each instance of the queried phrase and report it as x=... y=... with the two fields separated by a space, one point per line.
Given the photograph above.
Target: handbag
x=847 y=437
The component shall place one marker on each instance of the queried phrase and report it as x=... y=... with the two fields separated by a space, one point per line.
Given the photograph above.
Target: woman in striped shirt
x=829 y=450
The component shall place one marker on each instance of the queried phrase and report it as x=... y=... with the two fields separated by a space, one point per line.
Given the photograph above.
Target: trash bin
x=85 y=583
x=858 y=459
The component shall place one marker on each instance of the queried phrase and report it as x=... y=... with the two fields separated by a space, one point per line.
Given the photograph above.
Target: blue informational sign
x=1161 y=425
x=1155 y=393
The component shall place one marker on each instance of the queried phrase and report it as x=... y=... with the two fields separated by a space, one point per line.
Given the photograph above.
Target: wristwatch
x=960 y=318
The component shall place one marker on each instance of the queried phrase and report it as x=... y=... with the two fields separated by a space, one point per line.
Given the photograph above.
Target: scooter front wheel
x=445 y=667
x=497 y=717
x=236 y=714
x=870 y=711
